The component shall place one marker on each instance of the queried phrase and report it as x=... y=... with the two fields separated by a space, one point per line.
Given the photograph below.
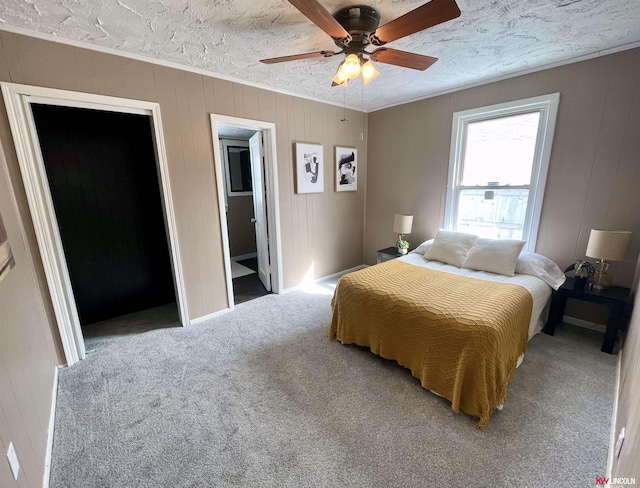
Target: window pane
x=500 y=151
x=494 y=214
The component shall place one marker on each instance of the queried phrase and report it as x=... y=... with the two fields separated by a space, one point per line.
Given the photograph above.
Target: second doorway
x=243 y=168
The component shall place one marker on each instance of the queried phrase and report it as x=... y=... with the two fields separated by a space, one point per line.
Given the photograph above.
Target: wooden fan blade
x=295 y=57
x=433 y=13
x=402 y=58
x=317 y=14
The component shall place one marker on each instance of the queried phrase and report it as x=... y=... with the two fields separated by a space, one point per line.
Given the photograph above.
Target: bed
x=462 y=332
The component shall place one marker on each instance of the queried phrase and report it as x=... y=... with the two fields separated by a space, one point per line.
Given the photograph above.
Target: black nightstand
x=614 y=297
x=387 y=254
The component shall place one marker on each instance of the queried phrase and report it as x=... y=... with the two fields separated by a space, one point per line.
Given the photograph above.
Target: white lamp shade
x=402 y=224
x=610 y=245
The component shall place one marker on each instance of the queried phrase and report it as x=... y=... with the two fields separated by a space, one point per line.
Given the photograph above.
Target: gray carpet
x=260 y=397
x=101 y=334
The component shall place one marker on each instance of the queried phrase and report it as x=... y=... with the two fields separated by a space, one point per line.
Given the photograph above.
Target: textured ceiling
x=491 y=39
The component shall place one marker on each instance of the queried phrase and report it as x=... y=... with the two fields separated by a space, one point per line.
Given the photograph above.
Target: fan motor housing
x=358 y=21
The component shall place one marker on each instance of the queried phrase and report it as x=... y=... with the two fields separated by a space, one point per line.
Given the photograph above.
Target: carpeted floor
x=260 y=398
x=101 y=334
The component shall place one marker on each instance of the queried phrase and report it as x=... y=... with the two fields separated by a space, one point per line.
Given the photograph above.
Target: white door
x=260 y=213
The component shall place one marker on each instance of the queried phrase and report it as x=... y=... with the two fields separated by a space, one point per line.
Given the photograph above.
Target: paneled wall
x=594 y=173
x=628 y=413
x=27 y=357
x=322 y=232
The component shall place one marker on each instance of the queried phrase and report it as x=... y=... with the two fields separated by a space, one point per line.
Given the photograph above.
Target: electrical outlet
x=13 y=461
x=619 y=443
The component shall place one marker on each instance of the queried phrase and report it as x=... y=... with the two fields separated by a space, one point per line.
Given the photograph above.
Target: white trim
x=326 y=278
x=271 y=183
x=341 y=273
x=169 y=214
x=495 y=79
x=52 y=420
x=210 y=316
x=168 y=64
x=614 y=418
x=18 y=99
x=105 y=107
x=585 y=324
x=242 y=257
x=547 y=106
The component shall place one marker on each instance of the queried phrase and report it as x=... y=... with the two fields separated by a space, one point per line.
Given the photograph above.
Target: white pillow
x=537 y=265
x=450 y=247
x=422 y=248
x=494 y=255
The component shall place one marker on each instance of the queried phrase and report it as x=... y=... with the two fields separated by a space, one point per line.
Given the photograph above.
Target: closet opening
x=102 y=175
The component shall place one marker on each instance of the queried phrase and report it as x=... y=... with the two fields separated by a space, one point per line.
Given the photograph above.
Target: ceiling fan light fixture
x=355 y=28
x=369 y=72
x=339 y=78
x=351 y=67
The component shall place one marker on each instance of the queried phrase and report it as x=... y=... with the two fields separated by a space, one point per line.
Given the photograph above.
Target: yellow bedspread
x=461 y=337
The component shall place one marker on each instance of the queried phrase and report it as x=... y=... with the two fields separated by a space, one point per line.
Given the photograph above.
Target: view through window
x=500 y=156
x=496 y=175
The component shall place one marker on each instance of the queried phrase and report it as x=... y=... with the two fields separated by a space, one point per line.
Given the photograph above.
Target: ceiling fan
x=354 y=29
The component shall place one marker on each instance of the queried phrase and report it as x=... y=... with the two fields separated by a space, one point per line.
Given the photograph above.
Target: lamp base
x=602 y=279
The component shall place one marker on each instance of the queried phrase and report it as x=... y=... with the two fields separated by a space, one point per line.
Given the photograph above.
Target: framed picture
x=309 y=168
x=6 y=256
x=346 y=163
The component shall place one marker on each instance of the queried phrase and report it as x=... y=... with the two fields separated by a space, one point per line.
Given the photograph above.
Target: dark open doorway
x=102 y=174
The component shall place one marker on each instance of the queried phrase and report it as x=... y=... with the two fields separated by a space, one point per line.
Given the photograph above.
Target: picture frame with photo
x=309 y=168
x=346 y=160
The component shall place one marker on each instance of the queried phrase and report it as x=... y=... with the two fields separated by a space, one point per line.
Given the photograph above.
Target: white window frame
x=547 y=106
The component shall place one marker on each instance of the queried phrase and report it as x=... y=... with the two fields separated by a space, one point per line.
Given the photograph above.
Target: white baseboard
x=585 y=324
x=242 y=257
x=614 y=418
x=52 y=420
x=326 y=278
x=340 y=273
x=204 y=318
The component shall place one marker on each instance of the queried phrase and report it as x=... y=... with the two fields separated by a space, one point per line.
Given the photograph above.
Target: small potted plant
x=583 y=271
x=403 y=246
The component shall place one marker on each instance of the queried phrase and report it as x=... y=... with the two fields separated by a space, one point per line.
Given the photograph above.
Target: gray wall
x=186 y=100
x=312 y=236
x=593 y=175
x=593 y=182
x=27 y=357
x=628 y=414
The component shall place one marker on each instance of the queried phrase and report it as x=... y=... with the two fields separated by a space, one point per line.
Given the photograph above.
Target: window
x=498 y=168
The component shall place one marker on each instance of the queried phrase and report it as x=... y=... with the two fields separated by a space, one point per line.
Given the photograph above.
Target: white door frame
x=271 y=184
x=18 y=100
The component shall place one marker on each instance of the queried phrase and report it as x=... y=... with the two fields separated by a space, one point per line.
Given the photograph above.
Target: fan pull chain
x=362 y=109
x=344 y=105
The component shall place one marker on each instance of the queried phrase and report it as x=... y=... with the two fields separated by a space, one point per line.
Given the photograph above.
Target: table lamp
x=401 y=226
x=606 y=245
